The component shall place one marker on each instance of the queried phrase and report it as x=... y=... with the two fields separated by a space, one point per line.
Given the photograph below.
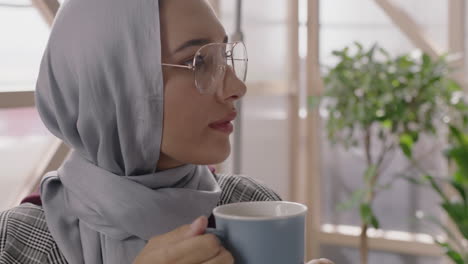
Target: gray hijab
x=100 y=90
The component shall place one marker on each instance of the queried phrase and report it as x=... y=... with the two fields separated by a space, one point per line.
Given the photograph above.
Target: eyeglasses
x=211 y=61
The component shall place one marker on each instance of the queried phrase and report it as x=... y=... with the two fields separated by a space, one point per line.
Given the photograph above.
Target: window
x=24 y=141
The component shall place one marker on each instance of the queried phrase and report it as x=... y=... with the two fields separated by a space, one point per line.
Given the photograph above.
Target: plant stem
x=364 y=249
x=367 y=144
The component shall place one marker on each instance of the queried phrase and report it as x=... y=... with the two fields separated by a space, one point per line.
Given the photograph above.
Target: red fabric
x=35 y=197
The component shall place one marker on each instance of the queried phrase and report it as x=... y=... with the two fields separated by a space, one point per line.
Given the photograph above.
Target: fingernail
x=195 y=224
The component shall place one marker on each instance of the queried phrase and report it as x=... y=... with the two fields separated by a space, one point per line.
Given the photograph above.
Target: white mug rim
x=216 y=212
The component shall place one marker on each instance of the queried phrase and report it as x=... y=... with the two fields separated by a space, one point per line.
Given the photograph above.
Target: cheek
x=186 y=135
x=180 y=111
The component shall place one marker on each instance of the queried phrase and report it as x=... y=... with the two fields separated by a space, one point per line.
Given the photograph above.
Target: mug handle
x=217 y=233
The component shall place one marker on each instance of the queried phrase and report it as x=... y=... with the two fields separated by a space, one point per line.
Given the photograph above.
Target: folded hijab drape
x=100 y=90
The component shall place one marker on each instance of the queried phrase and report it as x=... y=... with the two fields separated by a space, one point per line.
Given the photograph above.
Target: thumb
x=198 y=226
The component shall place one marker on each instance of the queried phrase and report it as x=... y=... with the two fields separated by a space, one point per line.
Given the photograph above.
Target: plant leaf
x=451 y=253
x=406 y=144
x=314 y=101
x=413 y=180
x=368 y=216
x=461 y=190
x=370 y=173
x=458 y=212
x=436 y=187
x=353 y=202
x=375 y=222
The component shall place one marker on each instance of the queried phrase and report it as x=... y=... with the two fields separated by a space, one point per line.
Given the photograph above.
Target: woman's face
x=189 y=133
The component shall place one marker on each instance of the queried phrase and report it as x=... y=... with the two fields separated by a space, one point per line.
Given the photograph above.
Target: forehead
x=182 y=20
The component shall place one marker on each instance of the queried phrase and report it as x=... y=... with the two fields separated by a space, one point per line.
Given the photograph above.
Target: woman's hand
x=185 y=245
x=320 y=261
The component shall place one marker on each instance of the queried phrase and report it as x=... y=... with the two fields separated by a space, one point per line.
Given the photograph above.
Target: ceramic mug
x=269 y=232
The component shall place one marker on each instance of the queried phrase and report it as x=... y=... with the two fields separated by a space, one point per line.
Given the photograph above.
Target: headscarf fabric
x=100 y=90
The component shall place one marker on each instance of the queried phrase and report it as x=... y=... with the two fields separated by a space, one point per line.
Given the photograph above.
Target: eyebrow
x=196 y=43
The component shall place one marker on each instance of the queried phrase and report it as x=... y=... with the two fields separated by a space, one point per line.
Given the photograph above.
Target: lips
x=224 y=125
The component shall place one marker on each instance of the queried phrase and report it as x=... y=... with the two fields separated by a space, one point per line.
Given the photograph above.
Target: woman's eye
x=199 y=60
x=188 y=62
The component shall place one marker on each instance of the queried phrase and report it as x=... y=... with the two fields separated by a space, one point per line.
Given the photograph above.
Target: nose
x=233 y=89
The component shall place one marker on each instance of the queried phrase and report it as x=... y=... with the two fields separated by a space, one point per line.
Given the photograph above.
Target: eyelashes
x=199 y=60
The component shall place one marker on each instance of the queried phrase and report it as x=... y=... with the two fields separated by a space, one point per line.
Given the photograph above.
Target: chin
x=214 y=155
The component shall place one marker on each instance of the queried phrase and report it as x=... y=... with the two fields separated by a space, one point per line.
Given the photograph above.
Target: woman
x=140 y=90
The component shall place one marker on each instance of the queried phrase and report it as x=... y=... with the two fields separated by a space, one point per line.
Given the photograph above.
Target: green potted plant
x=455 y=206
x=376 y=101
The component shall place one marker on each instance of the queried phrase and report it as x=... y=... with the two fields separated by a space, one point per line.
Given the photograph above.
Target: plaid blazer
x=25 y=238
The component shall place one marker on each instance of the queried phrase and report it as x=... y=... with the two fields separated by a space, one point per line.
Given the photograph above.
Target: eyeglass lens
x=213 y=60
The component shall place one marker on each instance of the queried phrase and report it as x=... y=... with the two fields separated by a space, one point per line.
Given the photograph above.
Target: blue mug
x=270 y=232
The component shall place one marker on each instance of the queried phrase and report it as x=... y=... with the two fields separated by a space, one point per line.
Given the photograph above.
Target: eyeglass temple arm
x=178 y=66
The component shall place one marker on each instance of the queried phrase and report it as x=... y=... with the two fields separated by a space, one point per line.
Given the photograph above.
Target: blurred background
x=281 y=138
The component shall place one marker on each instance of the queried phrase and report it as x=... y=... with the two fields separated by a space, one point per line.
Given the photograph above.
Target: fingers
x=182 y=233
x=197 y=249
x=224 y=257
x=320 y=261
x=198 y=226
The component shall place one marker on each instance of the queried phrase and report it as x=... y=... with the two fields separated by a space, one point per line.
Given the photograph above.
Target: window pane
x=264 y=108
x=351 y=255
x=264 y=24
x=366 y=22
x=342 y=170
x=23 y=141
x=265 y=141
x=395 y=208
x=23 y=36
